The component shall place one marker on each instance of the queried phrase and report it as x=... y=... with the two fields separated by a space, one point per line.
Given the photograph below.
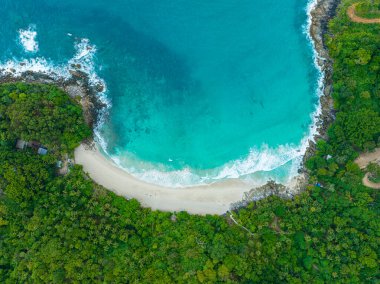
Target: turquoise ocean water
x=198 y=90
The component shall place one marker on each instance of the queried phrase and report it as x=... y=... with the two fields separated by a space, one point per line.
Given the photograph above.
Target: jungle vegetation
x=43 y=113
x=56 y=229
x=368 y=9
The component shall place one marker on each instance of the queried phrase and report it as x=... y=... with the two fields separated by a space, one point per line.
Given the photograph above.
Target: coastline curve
x=250 y=164
x=218 y=197
x=206 y=199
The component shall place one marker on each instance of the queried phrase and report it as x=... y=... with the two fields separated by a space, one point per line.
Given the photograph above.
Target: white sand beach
x=208 y=199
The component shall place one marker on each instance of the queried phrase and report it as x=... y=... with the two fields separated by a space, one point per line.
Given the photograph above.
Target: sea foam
x=28 y=39
x=256 y=168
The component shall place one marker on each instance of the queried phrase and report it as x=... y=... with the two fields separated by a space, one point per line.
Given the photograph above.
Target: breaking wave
x=28 y=39
x=260 y=163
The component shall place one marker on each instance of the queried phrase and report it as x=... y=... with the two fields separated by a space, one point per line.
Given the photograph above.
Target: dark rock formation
x=323 y=11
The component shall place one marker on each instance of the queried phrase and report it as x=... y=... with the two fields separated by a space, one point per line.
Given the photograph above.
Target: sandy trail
x=369 y=183
x=363 y=160
x=208 y=199
x=370 y=157
x=352 y=14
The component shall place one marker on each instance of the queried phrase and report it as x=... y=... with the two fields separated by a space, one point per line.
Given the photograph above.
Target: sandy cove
x=216 y=198
x=208 y=199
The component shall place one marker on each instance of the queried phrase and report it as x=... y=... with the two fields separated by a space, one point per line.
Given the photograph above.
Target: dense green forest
x=56 y=229
x=42 y=113
x=368 y=9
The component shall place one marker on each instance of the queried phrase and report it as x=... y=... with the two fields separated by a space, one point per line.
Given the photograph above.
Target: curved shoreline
x=318 y=11
x=208 y=199
x=215 y=198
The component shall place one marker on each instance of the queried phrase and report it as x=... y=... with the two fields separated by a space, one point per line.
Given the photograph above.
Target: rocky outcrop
x=268 y=189
x=77 y=87
x=323 y=11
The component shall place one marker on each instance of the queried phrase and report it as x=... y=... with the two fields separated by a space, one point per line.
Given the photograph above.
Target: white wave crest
x=28 y=39
x=16 y=68
x=264 y=159
x=259 y=163
x=84 y=60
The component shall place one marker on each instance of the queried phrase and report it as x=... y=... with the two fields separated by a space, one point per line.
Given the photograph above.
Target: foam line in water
x=263 y=159
x=17 y=68
x=28 y=39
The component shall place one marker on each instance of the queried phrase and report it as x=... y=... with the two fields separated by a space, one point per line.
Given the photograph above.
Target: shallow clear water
x=200 y=90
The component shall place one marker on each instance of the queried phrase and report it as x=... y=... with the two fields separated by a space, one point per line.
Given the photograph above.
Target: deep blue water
x=200 y=90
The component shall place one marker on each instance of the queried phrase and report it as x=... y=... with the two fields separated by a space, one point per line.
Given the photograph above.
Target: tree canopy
x=67 y=229
x=43 y=113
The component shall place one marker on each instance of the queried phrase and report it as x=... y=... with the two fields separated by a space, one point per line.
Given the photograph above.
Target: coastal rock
x=88 y=110
x=310 y=150
x=75 y=91
x=99 y=87
x=76 y=66
x=78 y=74
x=268 y=189
x=323 y=11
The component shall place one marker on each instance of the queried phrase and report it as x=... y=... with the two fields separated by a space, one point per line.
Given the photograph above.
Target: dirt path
x=351 y=13
x=363 y=160
x=370 y=157
x=369 y=183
